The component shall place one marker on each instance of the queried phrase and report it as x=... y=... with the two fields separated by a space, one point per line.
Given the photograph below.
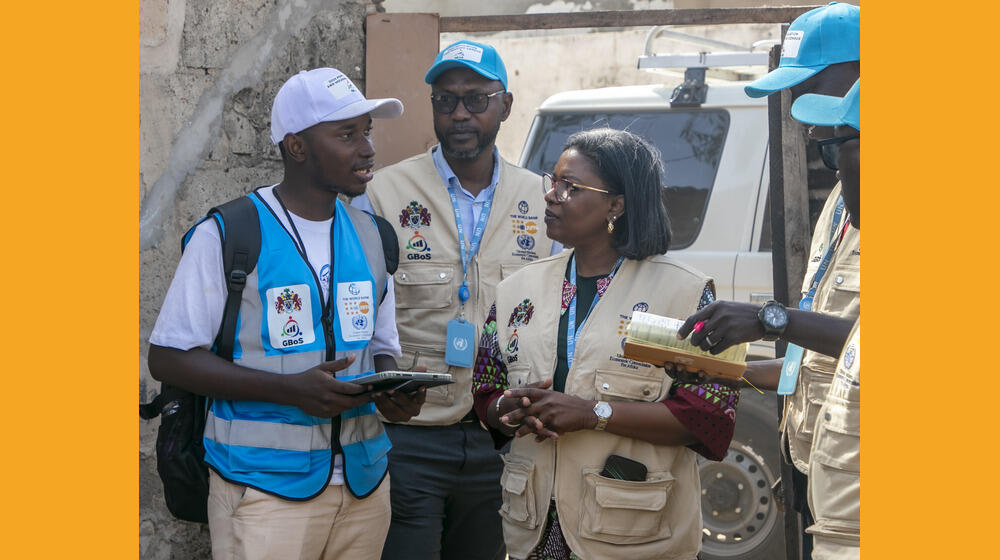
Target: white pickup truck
x=714 y=152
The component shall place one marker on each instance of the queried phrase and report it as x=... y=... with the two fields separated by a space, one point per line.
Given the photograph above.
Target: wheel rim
x=738 y=511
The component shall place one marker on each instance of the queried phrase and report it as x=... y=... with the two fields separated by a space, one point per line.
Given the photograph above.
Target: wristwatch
x=603 y=411
x=774 y=318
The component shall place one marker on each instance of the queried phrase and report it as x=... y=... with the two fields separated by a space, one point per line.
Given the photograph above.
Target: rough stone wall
x=208 y=73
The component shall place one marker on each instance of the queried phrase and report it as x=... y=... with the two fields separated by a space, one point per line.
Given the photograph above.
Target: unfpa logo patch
x=524 y=226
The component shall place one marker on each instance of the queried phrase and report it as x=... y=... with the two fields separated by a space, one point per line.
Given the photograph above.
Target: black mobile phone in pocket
x=623 y=468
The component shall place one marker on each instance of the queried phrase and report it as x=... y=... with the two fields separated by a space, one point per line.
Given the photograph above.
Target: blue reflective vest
x=281 y=328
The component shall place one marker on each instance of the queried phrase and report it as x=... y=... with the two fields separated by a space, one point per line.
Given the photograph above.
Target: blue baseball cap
x=815 y=40
x=479 y=57
x=826 y=110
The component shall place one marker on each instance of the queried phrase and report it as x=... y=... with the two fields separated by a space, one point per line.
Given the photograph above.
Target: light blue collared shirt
x=469 y=207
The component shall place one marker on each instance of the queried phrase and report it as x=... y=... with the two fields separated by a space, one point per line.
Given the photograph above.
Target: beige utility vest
x=835 y=462
x=412 y=196
x=601 y=518
x=839 y=293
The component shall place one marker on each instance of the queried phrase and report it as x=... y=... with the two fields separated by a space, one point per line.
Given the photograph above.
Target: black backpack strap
x=240 y=230
x=390 y=243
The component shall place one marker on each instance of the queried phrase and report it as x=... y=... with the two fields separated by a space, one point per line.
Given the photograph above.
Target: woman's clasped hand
x=538 y=410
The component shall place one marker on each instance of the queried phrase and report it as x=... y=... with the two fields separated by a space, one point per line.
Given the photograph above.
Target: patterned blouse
x=708 y=410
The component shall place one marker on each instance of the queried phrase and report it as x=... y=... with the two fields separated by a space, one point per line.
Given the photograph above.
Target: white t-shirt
x=192 y=311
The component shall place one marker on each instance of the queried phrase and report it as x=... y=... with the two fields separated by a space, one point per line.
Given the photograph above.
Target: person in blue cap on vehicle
x=834 y=490
x=465 y=219
x=821 y=54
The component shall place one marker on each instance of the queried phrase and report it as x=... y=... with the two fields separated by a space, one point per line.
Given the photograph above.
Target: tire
x=740 y=518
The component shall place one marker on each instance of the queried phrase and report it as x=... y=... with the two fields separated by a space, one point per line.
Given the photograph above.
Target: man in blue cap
x=834 y=490
x=821 y=54
x=465 y=219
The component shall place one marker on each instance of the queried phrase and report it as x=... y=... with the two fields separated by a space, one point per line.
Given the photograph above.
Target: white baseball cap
x=323 y=95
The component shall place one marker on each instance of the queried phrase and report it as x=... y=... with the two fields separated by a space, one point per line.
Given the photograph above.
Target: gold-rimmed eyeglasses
x=564 y=188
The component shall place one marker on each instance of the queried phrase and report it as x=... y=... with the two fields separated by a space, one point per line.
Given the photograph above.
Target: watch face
x=602 y=409
x=775 y=316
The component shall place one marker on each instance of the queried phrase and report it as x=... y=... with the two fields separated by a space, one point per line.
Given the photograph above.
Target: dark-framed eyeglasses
x=564 y=188
x=829 y=149
x=445 y=103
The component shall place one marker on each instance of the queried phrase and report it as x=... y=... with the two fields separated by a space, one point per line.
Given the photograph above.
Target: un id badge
x=460 y=347
x=790 y=370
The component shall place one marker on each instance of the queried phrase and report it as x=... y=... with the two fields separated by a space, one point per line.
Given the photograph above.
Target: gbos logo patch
x=525 y=242
x=421 y=249
x=289 y=316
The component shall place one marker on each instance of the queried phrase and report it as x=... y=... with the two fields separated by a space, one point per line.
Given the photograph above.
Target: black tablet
x=406 y=381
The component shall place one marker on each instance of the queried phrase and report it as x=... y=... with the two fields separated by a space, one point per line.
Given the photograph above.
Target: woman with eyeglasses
x=603 y=458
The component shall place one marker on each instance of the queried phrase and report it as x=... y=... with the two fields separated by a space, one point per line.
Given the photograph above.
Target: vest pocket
x=835 y=465
x=375 y=449
x=843 y=293
x=432 y=357
x=627 y=386
x=815 y=394
x=518 y=374
x=838 y=437
x=516 y=481
x=424 y=286
x=625 y=512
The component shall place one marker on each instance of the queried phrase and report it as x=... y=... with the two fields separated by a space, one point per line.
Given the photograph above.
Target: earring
x=611 y=224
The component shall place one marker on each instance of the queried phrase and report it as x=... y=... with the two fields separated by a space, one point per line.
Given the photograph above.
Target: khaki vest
x=839 y=293
x=413 y=198
x=835 y=462
x=601 y=518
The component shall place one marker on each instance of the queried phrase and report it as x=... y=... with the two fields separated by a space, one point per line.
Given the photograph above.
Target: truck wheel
x=740 y=518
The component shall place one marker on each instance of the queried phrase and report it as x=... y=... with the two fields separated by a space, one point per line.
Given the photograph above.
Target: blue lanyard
x=806 y=302
x=571 y=329
x=477 y=236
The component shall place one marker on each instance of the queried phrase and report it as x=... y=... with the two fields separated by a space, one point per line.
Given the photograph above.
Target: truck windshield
x=690 y=144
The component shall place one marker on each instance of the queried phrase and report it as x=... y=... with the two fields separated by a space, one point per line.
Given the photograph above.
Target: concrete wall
x=208 y=73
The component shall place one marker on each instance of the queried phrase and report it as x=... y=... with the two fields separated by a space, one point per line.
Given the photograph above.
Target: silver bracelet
x=499 y=415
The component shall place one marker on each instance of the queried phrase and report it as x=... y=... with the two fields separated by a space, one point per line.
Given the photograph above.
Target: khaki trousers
x=247 y=524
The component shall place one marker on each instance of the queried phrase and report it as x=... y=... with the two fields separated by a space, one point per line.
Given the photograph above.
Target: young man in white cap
x=465 y=218
x=835 y=460
x=821 y=54
x=297 y=455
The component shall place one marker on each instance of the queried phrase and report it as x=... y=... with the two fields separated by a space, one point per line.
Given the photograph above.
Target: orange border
x=929 y=293
x=70 y=248
x=70 y=155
